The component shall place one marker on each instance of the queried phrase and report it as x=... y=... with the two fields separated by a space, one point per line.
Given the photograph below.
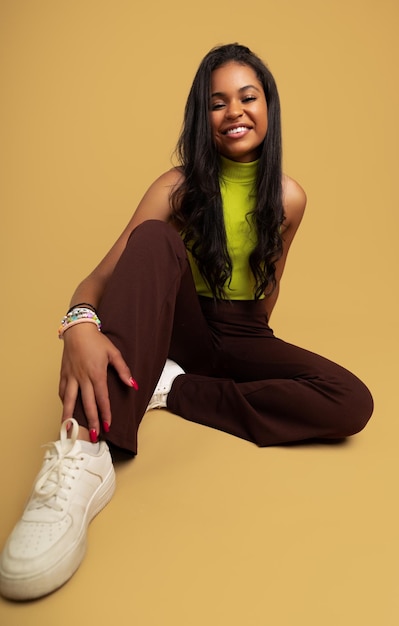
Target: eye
x=216 y=106
x=249 y=98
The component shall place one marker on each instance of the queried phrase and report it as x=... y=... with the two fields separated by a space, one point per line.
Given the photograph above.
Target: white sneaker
x=170 y=371
x=49 y=542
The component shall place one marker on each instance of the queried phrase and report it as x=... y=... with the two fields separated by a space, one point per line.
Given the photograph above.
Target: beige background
x=205 y=528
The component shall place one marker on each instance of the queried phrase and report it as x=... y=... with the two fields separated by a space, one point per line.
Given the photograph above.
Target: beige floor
x=205 y=528
x=208 y=529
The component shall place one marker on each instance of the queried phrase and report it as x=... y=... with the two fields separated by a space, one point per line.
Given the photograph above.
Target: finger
x=90 y=409
x=124 y=373
x=68 y=394
x=61 y=388
x=100 y=386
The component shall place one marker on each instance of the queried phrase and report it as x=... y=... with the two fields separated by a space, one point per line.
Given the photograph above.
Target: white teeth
x=239 y=129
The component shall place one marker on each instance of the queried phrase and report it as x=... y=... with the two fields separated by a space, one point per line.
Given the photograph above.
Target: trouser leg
x=271 y=391
x=142 y=303
x=268 y=412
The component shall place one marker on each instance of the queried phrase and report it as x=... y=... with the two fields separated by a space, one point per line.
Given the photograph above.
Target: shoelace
x=60 y=463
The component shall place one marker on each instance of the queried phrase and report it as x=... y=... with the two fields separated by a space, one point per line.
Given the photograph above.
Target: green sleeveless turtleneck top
x=238 y=191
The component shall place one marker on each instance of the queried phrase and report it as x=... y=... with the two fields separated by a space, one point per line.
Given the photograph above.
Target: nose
x=234 y=109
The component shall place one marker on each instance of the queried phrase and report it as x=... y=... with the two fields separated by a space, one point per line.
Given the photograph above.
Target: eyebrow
x=221 y=94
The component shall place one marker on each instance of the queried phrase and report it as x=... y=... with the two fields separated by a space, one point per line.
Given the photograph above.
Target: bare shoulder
x=294 y=200
x=155 y=204
x=167 y=182
x=294 y=195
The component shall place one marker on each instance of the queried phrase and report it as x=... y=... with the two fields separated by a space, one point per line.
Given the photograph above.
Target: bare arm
x=154 y=205
x=294 y=199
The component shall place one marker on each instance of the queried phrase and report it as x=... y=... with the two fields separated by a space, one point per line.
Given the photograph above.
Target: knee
x=358 y=409
x=155 y=244
x=154 y=229
x=152 y=235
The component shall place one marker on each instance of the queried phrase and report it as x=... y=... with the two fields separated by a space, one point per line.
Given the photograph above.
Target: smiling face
x=238 y=112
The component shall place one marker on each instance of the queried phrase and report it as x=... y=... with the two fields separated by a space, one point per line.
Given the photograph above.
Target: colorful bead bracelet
x=77 y=315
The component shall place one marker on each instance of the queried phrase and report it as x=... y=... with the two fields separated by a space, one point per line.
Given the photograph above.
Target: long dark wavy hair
x=197 y=204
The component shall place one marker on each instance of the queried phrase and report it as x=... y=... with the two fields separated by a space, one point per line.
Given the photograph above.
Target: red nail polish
x=106 y=427
x=93 y=436
x=134 y=384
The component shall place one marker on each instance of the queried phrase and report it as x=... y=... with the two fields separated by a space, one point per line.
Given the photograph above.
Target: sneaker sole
x=45 y=582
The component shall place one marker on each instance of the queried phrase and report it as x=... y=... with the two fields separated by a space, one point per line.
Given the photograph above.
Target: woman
x=192 y=282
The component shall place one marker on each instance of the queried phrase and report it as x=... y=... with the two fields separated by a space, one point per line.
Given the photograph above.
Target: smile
x=236 y=131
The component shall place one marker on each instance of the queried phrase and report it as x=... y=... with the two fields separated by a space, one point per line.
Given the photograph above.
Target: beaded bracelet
x=84 y=305
x=76 y=316
x=63 y=329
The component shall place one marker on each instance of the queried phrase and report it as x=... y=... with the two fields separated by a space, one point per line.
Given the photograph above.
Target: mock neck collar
x=236 y=171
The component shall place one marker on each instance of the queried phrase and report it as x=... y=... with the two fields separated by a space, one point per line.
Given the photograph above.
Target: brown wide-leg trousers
x=239 y=377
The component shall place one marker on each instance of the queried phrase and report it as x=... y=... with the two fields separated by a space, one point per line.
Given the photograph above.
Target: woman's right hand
x=86 y=357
